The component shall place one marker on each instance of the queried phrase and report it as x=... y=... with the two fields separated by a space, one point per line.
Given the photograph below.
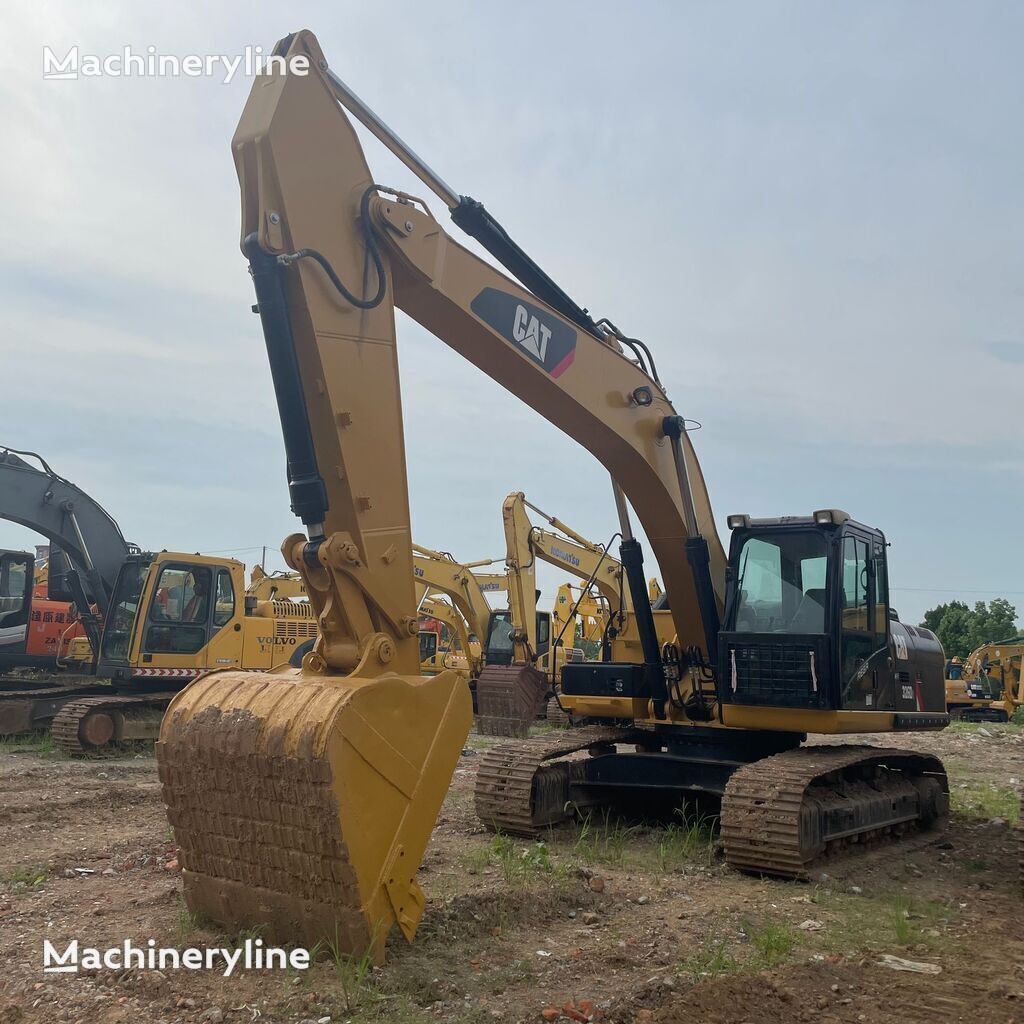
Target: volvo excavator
x=302 y=800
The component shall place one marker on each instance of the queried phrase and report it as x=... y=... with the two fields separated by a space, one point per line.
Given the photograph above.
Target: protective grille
x=295 y=628
x=292 y=609
x=788 y=674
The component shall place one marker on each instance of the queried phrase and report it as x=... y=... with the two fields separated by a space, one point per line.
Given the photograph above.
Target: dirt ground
x=614 y=920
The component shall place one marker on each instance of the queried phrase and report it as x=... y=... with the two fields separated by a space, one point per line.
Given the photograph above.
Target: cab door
x=863 y=648
x=189 y=607
x=543 y=652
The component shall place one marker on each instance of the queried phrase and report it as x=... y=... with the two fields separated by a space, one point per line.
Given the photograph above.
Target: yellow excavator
x=989 y=685
x=173 y=616
x=302 y=799
x=562 y=547
x=511 y=690
x=456 y=649
x=514 y=652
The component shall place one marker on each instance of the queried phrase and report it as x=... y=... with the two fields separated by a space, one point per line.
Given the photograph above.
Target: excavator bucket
x=302 y=804
x=509 y=699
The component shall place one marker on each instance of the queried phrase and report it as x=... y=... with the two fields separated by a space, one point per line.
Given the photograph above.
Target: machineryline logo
x=252 y=955
x=150 y=63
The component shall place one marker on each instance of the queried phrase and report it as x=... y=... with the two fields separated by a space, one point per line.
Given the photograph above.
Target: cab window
x=428 y=644
x=855 y=584
x=781 y=585
x=224 y=600
x=179 y=611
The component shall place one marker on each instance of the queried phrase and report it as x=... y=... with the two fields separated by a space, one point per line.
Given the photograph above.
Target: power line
x=948 y=590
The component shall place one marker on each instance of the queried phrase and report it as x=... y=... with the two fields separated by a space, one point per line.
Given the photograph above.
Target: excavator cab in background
x=302 y=799
x=989 y=685
x=175 y=615
x=16 y=588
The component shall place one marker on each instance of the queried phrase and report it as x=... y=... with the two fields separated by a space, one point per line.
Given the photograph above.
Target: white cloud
x=813 y=222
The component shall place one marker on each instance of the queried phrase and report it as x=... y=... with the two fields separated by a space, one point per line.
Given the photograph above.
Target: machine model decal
x=537 y=332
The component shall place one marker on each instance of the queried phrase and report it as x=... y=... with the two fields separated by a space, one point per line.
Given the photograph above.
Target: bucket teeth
x=291 y=798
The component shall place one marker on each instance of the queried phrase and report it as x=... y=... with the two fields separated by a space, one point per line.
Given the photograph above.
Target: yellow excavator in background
x=449 y=647
x=173 y=616
x=302 y=800
x=496 y=658
x=508 y=698
x=988 y=686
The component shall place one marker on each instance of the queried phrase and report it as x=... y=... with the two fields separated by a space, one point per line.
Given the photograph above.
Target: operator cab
x=16 y=584
x=499 y=648
x=807 y=621
x=187 y=604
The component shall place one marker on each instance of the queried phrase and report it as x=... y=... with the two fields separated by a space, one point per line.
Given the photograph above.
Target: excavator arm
x=311 y=221
x=456 y=580
x=302 y=800
x=566 y=550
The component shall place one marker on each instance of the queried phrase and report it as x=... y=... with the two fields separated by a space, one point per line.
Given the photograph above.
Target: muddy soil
x=612 y=920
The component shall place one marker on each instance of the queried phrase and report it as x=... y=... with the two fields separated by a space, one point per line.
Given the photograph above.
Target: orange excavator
x=302 y=799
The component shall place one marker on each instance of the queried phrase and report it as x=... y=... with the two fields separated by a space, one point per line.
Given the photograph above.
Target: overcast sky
x=810 y=212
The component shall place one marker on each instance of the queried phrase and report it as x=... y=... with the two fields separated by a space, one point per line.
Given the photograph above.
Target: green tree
x=961 y=629
x=996 y=622
x=933 y=616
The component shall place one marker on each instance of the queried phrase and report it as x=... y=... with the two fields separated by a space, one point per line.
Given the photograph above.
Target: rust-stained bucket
x=302 y=805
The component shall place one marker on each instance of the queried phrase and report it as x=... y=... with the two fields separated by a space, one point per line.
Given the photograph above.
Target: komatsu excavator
x=302 y=800
x=512 y=689
x=989 y=686
x=498 y=661
x=444 y=638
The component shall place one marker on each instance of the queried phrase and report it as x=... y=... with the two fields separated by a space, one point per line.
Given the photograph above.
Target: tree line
x=961 y=629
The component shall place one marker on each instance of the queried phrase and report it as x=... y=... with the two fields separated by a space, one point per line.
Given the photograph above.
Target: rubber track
x=763 y=803
x=40 y=692
x=66 y=722
x=504 y=793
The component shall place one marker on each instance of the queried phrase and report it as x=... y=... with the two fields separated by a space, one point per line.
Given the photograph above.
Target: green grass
x=984 y=800
x=713 y=958
x=773 y=941
x=605 y=842
x=877 y=924
x=517 y=862
x=189 y=921
x=769 y=943
x=39 y=744
x=687 y=841
x=26 y=876
x=354 y=975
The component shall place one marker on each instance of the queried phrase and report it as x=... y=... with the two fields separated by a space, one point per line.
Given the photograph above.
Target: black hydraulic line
x=305 y=485
x=371 y=247
x=699 y=559
x=632 y=558
x=473 y=218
